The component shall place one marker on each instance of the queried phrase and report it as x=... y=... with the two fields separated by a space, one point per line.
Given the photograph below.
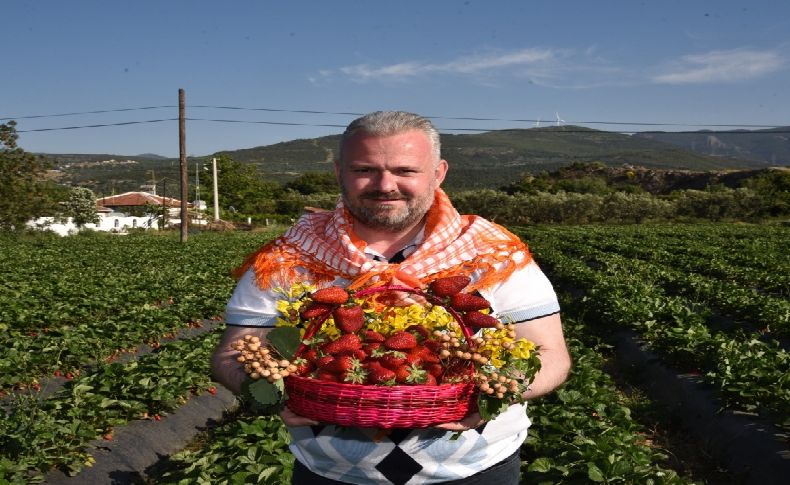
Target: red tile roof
x=136 y=199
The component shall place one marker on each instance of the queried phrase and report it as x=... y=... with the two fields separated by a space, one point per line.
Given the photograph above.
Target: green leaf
x=285 y=340
x=540 y=465
x=594 y=473
x=264 y=392
x=489 y=407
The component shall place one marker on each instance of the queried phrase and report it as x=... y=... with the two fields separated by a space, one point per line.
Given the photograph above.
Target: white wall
x=113 y=222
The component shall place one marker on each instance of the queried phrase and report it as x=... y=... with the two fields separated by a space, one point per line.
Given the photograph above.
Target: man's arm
x=546 y=332
x=224 y=367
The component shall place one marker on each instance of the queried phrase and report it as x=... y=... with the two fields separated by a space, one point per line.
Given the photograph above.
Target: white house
x=112 y=217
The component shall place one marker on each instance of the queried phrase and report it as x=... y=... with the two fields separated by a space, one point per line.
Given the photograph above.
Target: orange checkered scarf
x=325 y=245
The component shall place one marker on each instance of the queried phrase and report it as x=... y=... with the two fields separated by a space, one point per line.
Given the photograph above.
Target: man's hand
x=290 y=418
x=470 y=421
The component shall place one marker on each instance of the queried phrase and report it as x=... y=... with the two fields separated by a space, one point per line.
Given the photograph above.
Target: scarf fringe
x=314 y=250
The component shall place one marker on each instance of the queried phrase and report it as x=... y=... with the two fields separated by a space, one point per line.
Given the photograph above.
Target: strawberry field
x=107 y=338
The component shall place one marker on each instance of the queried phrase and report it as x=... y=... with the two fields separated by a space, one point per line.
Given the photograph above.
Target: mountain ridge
x=482 y=160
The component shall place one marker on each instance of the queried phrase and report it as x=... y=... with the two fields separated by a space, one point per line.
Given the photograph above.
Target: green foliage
x=70 y=302
x=241 y=188
x=583 y=432
x=24 y=192
x=81 y=207
x=38 y=435
x=247 y=449
x=314 y=183
x=678 y=286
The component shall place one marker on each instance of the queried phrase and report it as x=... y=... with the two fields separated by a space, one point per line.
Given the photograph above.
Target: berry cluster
x=260 y=361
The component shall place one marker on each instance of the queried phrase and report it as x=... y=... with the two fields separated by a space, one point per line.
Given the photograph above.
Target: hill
x=771 y=146
x=495 y=158
x=484 y=160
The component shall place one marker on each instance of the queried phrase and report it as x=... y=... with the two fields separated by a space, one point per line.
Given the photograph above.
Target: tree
x=24 y=192
x=310 y=183
x=241 y=187
x=81 y=207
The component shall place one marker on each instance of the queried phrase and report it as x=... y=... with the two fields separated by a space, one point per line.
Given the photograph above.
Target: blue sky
x=676 y=62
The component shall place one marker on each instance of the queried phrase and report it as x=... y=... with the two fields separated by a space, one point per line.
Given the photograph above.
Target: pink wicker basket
x=380 y=406
x=400 y=406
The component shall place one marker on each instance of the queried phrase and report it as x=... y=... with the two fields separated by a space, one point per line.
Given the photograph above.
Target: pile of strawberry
x=413 y=356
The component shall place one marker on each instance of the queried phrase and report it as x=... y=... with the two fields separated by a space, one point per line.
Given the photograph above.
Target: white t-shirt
x=409 y=456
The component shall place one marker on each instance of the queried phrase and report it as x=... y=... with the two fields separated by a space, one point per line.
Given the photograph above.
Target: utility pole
x=197 y=190
x=216 y=189
x=164 y=204
x=182 y=148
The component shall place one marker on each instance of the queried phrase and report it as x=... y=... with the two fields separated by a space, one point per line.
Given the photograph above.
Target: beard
x=387 y=217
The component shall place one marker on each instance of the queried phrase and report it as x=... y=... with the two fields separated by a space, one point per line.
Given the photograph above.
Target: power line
x=96 y=126
x=76 y=113
x=346 y=113
x=330 y=125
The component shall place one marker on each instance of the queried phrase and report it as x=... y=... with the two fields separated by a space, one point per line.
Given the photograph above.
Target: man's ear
x=441 y=171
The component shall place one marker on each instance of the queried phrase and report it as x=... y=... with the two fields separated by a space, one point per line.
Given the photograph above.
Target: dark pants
x=506 y=472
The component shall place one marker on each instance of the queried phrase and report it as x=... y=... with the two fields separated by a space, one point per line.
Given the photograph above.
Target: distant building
x=113 y=214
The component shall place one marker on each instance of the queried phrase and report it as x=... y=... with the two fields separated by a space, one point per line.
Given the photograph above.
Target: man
x=395 y=224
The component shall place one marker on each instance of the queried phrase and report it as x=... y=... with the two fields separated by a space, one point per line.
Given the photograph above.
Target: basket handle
x=315 y=325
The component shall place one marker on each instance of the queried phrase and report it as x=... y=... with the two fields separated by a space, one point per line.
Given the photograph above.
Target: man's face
x=388 y=182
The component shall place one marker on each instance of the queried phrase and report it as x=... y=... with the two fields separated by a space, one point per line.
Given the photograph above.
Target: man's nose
x=386 y=182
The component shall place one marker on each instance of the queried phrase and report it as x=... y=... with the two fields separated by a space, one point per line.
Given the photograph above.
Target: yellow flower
x=522 y=349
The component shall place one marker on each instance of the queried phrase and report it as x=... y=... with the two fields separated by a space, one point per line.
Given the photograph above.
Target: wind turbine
x=537 y=123
x=559 y=120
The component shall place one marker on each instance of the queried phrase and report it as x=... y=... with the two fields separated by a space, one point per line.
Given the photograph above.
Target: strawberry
x=434 y=369
x=378 y=374
x=419 y=331
x=323 y=361
x=373 y=336
x=360 y=355
x=349 y=319
x=430 y=380
x=401 y=340
x=346 y=343
x=327 y=376
x=433 y=345
x=315 y=309
x=340 y=364
x=333 y=295
x=465 y=302
x=107 y=436
x=310 y=355
x=448 y=286
x=212 y=390
x=357 y=375
x=393 y=360
x=426 y=354
x=414 y=358
x=480 y=320
x=402 y=374
x=303 y=366
x=369 y=348
x=411 y=374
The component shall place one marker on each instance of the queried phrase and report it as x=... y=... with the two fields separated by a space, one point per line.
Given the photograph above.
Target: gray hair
x=386 y=123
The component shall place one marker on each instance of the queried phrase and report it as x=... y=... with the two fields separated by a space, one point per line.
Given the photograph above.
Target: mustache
x=383 y=196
